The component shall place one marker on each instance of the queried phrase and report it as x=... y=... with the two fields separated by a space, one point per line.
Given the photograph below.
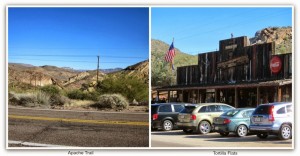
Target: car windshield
x=188 y=109
x=230 y=113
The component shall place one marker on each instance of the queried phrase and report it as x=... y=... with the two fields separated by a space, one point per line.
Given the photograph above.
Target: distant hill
x=282 y=36
x=110 y=70
x=161 y=73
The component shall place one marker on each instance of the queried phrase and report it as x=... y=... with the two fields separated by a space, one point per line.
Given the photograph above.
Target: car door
x=165 y=112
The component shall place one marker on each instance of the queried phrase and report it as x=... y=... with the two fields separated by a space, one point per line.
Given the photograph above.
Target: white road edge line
x=59 y=110
x=35 y=144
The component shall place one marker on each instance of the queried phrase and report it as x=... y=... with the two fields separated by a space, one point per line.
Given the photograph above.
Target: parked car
x=199 y=118
x=236 y=120
x=164 y=115
x=273 y=119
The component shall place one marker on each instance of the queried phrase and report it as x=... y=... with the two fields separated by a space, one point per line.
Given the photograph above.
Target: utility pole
x=98 y=69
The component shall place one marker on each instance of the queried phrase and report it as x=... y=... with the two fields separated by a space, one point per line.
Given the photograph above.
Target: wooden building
x=239 y=74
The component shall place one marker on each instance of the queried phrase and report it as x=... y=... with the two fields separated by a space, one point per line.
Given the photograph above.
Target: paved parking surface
x=178 y=138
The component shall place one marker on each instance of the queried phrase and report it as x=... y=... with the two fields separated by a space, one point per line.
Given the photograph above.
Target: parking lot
x=177 y=138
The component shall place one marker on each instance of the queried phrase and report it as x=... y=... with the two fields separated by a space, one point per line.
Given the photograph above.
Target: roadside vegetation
x=161 y=72
x=115 y=93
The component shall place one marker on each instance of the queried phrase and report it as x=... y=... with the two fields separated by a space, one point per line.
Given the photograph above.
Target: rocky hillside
x=139 y=70
x=161 y=73
x=20 y=74
x=66 y=78
x=282 y=36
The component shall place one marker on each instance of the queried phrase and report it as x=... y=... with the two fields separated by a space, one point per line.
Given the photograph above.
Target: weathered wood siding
x=236 y=64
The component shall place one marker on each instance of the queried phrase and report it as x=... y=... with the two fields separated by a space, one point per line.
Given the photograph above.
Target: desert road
x=58 y=128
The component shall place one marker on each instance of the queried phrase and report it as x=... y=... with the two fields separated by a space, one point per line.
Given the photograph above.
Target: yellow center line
x=79 y=120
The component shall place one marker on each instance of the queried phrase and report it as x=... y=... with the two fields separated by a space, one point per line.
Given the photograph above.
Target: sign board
x=275 y=64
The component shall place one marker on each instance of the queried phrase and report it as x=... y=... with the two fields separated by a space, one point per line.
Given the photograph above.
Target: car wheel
x=285 y=132
x=204 y=127
x=241 y=131
x=262 y=135
x=188 y=131
x=224 y=134
x=167 y=125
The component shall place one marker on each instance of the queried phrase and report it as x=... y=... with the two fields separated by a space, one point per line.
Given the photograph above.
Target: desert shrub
x=76 y=94
x=58 y=100
x=83 y=95
x=29 y=99
x=50 y=89
x=112 y=101
x=130 y=87
x=42 y=98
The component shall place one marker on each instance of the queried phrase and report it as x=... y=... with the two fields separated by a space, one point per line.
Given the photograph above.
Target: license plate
x=182 y=117
x=257 y=119
x=216 y=128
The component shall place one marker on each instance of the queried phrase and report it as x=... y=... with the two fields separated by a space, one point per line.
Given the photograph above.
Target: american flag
x=170 y=54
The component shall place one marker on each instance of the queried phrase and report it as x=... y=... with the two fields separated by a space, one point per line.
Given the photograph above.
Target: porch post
x=169 y=96
x=279 y=94
x=257 y=96
x=235 y=97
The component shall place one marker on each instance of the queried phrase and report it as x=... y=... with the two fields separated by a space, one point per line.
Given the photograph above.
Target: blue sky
x=197 y=30
x=73 y=37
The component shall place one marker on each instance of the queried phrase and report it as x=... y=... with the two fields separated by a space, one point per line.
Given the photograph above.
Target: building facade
x=239 y=74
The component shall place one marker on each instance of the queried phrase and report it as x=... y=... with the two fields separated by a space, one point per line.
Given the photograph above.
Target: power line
x=78 y=48
x=105 y=56
x=231 y=25
x=69 y=61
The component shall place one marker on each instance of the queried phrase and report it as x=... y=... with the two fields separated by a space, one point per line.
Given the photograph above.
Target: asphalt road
x=77 y=128
x=178 y=138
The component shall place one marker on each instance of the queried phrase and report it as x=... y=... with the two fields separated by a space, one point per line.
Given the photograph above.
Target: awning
x=274 y=83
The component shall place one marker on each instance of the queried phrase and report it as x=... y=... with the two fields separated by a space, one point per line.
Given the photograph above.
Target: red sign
x=275 y=64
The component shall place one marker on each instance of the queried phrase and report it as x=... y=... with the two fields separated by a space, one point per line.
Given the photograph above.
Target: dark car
x=274 y=119
x=236 y=121
x=164 y=115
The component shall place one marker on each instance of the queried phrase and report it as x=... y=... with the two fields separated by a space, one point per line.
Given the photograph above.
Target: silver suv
x=199 y=118
x=273 y=118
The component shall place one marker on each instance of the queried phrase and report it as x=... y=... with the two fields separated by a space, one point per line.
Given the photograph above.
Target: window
x=230 y=113
x=225 y=108
x=188 y=109
x=203 y=109
x=281 y=110
x=263 y=109
x=247 y=114
x=213 y=108
x=178 y=108
x=165 y=108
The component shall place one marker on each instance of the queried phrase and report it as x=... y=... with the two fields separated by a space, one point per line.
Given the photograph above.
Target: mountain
x=110 y=70
x=24 y=75
x=282 y=36
x=139 y=70
x=161 y=73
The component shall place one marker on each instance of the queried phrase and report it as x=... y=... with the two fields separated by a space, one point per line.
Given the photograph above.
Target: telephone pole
x=98 y=69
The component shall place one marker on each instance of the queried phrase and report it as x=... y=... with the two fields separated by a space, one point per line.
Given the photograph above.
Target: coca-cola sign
x=275 y=64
